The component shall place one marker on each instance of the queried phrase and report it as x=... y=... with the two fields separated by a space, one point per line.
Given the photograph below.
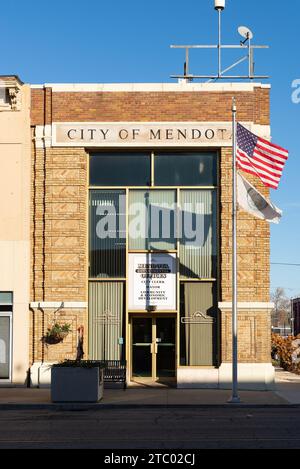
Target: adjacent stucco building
x=15 y=157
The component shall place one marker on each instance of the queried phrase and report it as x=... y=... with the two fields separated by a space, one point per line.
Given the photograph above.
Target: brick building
x=296 y=315
x=131 y=232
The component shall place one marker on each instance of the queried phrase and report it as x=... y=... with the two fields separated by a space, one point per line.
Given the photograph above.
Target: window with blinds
x=198 y=244
x=152 y=222
x=107 y=234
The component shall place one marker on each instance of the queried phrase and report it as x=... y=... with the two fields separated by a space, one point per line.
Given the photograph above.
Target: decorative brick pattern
x=254 y=333
x=59 y=234
x=41 y=320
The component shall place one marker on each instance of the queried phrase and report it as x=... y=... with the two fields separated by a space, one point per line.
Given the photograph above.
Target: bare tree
x=281 y=314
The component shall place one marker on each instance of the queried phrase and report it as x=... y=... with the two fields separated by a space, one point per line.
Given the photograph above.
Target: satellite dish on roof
x=245 y=32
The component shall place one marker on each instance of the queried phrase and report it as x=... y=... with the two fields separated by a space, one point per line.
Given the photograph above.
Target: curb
x=99 y=407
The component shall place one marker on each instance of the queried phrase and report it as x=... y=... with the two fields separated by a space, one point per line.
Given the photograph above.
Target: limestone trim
x=152 y=87
x=11 y=86
x=46 y=136
x=59 y=304
x=43 y=136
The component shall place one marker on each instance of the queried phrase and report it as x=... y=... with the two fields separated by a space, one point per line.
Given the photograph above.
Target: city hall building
x=130 y=235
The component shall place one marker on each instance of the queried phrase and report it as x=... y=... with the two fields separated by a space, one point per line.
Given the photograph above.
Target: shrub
x=287 y=350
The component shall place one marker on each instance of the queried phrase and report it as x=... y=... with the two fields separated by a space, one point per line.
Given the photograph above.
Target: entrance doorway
x=5 y=346
x=153 y=349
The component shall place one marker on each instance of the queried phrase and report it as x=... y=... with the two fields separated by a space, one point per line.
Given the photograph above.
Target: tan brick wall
x=254 y=336
x=253 y=243
x=59 y=236
x=42 y=320
x=59 y=215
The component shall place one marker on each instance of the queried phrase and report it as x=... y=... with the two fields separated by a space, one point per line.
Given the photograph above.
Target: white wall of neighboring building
x=15 y=143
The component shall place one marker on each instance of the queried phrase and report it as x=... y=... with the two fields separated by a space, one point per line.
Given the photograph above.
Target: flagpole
x=235 y=394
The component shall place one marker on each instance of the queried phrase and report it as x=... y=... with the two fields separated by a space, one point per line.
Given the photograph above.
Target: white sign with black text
x=152 y=282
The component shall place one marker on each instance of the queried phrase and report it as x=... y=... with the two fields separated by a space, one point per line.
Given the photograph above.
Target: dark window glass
x=120 y=169
x=107 y=233
x=141 y=347
x=186 y=169
x=6 y=298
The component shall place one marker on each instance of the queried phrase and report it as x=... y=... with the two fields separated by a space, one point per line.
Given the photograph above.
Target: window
x=186 y=169
x=152 y=221
x=198 y=324
x=6 y=301
x=107 y=234
x=6 y=298
x=4 y=99
x=120 y=169
x=198 y=246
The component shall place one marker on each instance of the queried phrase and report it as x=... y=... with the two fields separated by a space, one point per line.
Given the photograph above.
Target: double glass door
x=153 y=348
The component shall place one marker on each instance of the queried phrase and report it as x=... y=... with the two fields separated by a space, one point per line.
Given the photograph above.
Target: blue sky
x=117 y=41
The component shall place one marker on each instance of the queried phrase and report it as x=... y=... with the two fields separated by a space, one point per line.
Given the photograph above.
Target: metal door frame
x=9 y=314
x=154 y=378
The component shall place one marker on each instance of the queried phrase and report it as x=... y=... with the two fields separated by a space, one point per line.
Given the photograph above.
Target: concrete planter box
x=76 y=384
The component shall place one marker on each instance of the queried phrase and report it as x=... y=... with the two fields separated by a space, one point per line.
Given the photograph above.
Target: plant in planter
x=77 y=381
x=57 y=333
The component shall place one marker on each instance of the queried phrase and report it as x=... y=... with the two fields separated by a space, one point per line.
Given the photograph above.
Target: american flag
x=257 y=156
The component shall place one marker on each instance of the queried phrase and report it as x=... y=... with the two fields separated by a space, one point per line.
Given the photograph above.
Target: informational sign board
x=152 y=282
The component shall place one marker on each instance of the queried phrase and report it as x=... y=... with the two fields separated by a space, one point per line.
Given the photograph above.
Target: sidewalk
x=288 y=386
x=133 y=397
x=287 y=393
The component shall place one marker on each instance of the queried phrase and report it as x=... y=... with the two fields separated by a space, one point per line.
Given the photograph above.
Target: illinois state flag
x=257 y=156
x=251 y=201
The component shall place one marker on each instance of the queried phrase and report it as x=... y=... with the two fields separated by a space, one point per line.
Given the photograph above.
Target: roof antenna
x=219 y=6
x=245 y=45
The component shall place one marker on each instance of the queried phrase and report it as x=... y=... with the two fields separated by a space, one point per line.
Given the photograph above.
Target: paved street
x=152 y=428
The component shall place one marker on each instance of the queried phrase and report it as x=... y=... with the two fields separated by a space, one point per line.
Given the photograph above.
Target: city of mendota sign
x=141 y=134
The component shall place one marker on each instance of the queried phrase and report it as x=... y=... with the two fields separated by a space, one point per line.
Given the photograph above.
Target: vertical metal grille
x=106 y=301
x=198 y=324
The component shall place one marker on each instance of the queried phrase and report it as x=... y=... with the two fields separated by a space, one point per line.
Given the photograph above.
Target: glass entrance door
x=153 y=348
x=165 y=339
x=142 y=347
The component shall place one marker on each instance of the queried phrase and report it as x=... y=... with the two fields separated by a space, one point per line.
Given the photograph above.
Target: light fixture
x=219 y=4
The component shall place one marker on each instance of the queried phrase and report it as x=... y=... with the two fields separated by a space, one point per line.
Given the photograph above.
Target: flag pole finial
x=233 y=104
